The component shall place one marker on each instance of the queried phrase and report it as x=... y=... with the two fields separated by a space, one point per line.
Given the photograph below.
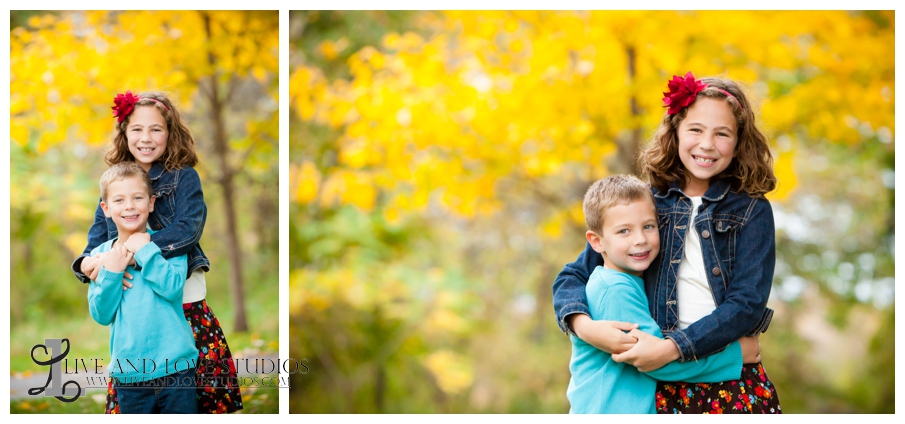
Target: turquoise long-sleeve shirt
x=149 y=335
x=600 y=385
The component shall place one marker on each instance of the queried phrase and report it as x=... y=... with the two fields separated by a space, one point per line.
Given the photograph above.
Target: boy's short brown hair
x=121 y=171
x=610 y=191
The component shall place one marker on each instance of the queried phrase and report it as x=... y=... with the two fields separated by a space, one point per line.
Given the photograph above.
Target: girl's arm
x=178 y=237
x=571 y=306
x=746 y=294
x=569 y=287
x=97 y=234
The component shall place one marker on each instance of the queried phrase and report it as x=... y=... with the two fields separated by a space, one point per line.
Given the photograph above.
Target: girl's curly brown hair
x=180 y=151
x=751 y=170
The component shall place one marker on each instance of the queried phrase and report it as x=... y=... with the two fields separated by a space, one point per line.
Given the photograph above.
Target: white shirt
x=695 y=298
x=195 y=287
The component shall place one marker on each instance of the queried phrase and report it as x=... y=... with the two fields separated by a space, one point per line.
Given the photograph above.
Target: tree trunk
x=226 y=184
x=625 y=161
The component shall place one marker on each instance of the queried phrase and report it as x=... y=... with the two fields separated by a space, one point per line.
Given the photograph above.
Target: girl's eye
x=622 y=231
x=650 y=227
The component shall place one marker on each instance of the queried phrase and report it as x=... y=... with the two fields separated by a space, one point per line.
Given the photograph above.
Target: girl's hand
x=117 y=259
x=126 y=277
x=137 y=241
x=91 y=265
x=750 y=349
x=650 y=353
x=608 y=336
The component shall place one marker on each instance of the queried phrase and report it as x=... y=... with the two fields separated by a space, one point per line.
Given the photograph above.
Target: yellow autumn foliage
x=492 y=96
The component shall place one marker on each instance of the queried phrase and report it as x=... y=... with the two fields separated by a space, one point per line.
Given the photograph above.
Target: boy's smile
x=128 y=203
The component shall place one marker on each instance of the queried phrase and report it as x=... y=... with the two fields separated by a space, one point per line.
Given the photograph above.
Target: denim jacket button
x=716 y=271
x=705 y=234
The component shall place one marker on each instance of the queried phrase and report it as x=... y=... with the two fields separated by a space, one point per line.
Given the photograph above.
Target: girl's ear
x=151 y=204
x=104 y=207
x=595 y=241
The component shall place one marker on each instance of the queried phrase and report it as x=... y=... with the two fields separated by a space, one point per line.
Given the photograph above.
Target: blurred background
x=437 y=166
x=220 y=68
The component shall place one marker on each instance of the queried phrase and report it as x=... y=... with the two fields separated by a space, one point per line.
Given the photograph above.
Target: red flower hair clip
x=123 y=104
x=682 y=92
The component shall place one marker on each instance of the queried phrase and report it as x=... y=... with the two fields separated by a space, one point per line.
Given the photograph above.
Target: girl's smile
x=146 y=135
x=707 y=139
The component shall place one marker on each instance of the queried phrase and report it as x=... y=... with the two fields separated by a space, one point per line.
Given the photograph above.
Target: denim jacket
x=178 y=219
x=738 y=244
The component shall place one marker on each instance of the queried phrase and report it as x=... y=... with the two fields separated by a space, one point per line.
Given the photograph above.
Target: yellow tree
x=496 y=95
x=66 y=67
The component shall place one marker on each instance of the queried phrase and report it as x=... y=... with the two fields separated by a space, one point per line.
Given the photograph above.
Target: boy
x=152 y=351
x=622 y=226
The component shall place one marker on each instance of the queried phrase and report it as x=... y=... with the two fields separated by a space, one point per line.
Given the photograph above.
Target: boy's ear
x=151 y=204
x=595 y=241
x=104 y=207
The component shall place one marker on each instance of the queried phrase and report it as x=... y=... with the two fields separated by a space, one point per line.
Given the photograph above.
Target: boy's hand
x=650 y=353
x=137 y=241
x=750 y=349
x=91 y=265
x=117 y=259
x=608 y=336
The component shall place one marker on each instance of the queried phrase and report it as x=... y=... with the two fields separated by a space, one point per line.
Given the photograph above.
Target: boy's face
x=629 y=240
x=129 y=204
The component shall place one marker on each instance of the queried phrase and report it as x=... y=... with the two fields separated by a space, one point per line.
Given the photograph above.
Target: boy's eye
x=650 y=227
x=622 y=231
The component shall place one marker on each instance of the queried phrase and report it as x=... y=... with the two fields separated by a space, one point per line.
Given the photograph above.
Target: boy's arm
x=746 y=294
x=97 y=234
x=178 y=238
x=105 y=295
x=165 y=276
x=569 y=287
x=627 y=303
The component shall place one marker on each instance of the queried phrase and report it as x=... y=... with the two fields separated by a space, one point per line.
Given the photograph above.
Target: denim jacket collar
x=716 y=192
x=156 y=170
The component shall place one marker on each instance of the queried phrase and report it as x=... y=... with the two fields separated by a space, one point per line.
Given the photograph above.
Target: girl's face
x=707 y=139
x=147 y=135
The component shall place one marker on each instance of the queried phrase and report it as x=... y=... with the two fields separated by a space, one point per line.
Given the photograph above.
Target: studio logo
x=55 y=378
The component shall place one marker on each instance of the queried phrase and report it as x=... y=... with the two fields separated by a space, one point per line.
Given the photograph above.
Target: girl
x=709 y=167
x=151 y=132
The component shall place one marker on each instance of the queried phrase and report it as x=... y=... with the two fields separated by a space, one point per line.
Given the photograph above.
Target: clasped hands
x=117 y=259
x=644 y=351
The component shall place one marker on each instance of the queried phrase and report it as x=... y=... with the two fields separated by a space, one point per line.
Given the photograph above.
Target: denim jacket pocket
x=165 y=204
x=726 y=230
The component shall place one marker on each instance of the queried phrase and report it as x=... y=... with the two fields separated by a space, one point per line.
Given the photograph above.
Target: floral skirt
x=752 y=394
x=218 y=388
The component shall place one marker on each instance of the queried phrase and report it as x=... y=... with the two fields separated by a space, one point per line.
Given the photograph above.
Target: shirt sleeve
x=625 y=302
x=105 y=295
x=178 y=238
x=165 y=276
